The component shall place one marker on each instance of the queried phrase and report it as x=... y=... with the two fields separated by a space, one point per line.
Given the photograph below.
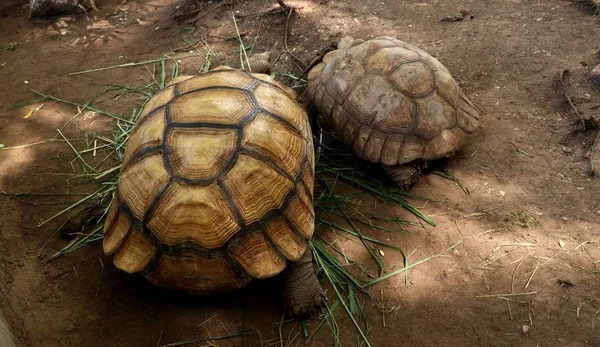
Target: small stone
x=525 y=329
x=89 y=115
x=501 y=193
x=564 y=219
x=567 y=149
x=595 y=75
x=598 y=212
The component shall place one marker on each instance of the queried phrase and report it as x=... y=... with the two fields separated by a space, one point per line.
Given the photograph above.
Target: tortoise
x=393 y=103
x=216 y=189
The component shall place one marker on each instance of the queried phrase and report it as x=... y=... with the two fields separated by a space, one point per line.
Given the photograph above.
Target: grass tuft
x=518 y=218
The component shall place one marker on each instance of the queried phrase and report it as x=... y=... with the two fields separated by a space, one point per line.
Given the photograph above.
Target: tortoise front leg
x=302 y=292
x=405 y=175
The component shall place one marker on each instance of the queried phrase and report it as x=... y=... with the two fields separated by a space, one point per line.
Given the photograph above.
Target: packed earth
x=512 y=260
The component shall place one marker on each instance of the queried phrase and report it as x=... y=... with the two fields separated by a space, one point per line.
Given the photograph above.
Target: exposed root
x=287 y=28
x=284 y=6
x=562 y=79
x=584 y=125
x=591 y=147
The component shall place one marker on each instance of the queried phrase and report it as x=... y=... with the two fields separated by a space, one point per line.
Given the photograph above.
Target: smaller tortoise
x=216 y=189
x=393 y=103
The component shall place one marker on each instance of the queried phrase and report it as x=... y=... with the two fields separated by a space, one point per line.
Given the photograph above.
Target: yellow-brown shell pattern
x=216 y=186
x=392 y=102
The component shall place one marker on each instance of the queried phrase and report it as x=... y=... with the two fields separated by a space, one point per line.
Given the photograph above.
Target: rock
x=41 y=8
x=595 y=75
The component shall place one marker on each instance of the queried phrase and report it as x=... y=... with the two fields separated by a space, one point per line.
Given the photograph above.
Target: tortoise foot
x=404 y=175
x=302 y=293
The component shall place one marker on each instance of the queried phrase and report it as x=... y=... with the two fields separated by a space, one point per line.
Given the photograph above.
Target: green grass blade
x=394 y=273
x=338 y=294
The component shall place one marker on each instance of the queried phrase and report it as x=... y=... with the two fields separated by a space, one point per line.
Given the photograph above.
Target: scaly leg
x=302 y=292
x=404 y=175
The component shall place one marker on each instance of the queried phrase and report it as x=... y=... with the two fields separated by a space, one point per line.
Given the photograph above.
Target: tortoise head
x=349 y=41
x=260 y=63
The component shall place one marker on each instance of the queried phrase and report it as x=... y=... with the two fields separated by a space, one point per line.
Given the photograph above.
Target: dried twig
x=512 y=282
x=287 y=28
x=509 y=309
x=588 y=153
x=564 y=75
x=516 y=294
x=384 y=307
x=530 y=277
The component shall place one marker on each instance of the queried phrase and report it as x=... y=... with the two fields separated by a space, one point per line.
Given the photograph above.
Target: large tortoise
x=216 y=189
x=393 y=103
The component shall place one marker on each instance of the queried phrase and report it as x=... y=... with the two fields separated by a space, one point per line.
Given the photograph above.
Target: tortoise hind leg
x=405 y=175
x=302 y=292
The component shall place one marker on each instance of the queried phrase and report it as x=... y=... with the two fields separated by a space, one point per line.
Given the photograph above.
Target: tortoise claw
x=302 y=293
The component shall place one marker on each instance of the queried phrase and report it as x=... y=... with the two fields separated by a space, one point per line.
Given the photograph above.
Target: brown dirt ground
x=506 y=58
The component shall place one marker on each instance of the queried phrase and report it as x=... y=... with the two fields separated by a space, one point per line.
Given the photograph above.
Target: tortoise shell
x=216 y=184
x=391 y=101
